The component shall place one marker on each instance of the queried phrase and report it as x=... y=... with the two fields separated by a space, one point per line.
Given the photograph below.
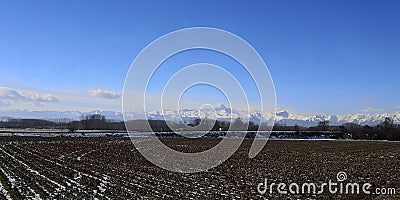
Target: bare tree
x=324 y=124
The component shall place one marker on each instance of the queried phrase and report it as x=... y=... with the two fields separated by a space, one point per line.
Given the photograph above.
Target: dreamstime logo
x=341 y=176
x=150 y=58
x=333 y=187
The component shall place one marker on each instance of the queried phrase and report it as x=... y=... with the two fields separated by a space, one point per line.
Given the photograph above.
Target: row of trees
x=31 y=123
x=95 y=122
x=386 y=130
x=90 y=122
x=194 y=125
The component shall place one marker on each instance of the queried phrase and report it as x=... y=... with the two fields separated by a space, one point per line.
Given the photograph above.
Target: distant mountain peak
x=221 y=112
x=283 y=113
x=220 y=106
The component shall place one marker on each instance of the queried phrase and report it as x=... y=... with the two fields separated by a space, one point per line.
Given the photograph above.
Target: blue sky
x=332 y=57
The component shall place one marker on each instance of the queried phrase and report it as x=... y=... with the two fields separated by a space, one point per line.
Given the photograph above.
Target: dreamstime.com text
x=339 y=187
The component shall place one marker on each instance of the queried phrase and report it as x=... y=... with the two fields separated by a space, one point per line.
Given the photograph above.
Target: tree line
x=386 y=130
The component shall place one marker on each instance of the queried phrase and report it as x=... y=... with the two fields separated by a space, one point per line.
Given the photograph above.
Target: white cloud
x=9 y=95
x=370 y=109
x=105 y=94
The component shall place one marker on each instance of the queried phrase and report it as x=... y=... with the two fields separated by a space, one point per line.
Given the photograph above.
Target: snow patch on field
x=60 y=187
x=80 y=157
x=3 y=190
x=19 y=184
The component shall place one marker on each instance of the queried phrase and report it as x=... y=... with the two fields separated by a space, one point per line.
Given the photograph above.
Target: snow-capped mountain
x=284 y=117
x=220 y=112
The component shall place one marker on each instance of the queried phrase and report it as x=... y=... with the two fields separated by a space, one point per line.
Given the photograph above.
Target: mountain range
x=221 y=112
